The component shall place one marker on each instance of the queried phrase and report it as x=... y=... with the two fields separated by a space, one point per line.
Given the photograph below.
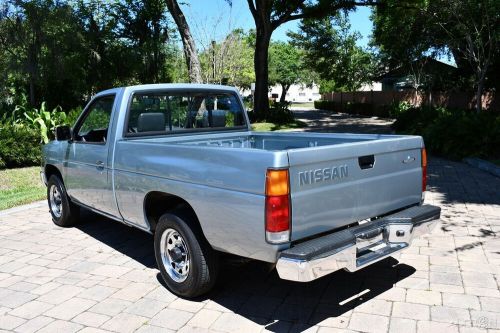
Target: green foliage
x=62 y=52
x=24 y=129
x=19 y=146
x=362 y=109
x=230 y=61
x=42 y=120
x=398 y=108
x=327 y=105
x=286 y=67
x=331 y=51
x=72 y=116
x=19 y=186
x=467 y=30
x=279 y=113
x=453 y=133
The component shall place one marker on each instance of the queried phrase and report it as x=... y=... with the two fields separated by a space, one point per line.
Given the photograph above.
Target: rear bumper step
x=356 y=247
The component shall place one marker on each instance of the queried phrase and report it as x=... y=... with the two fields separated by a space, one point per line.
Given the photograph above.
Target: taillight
x=424 y=170
x=277 y=206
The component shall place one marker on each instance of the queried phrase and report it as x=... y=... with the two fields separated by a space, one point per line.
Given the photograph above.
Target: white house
x=374 y=86
x=297 y=93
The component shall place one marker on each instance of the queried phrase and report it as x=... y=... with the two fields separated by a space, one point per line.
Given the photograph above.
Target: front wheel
x=64 y=212
x=187 y=263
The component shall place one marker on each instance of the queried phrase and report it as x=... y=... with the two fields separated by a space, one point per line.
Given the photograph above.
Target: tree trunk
x=261 y=66
x=479 y=94
x=284 y=90
x=190 y=52
x=481 y=73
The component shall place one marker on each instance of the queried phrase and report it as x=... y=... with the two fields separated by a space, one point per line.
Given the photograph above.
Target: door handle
x=99 y=165
x=366 y=162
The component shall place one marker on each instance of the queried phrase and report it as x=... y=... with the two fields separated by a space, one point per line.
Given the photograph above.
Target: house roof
x=427 y=64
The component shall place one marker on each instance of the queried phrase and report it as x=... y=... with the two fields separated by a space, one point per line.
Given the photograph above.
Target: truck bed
x=335 y=179
x=280 y=141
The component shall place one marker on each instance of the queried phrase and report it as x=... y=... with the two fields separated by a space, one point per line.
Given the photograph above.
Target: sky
x=213 y=19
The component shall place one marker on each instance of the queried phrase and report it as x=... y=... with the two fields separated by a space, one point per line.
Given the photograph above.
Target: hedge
x=453 y=133
x=19 y=146
x=363 y=109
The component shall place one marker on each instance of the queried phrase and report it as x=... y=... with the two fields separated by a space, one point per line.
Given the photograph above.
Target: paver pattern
x=101 y=276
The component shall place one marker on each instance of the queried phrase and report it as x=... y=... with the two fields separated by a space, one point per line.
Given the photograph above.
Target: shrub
x=42 y=120
x=72 y=116
x=397 y=108
x=327 y=105
x=382 y=111
x=19 y=146
x=364 y=109
x=454 y=134
x=279 y=113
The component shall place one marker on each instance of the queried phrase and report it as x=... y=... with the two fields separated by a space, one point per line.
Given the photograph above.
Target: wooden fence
x=457 y=100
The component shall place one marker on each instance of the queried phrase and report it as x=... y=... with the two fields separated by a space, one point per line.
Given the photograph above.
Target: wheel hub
x=55 y=201
x=175 y=255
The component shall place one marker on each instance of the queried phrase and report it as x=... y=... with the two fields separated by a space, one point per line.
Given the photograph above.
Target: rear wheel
x=64 y=212
x=187 y=263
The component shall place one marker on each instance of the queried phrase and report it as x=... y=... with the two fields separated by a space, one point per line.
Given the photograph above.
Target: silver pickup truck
x=180 y=161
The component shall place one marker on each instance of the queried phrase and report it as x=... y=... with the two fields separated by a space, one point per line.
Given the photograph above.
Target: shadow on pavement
x=261 y=296
x=134 y=243
x=254 y=290
x=326 y=121
x=460 y=183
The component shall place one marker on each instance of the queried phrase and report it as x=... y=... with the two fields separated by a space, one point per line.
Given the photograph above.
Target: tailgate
x=332 y=186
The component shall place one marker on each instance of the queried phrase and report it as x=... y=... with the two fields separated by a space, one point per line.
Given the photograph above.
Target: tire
x=179 y=231
x=64 y=212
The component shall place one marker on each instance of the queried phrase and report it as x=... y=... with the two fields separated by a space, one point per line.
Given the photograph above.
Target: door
x=88 y=179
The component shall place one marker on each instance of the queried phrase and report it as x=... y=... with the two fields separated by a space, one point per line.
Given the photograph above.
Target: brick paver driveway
x=101 y=276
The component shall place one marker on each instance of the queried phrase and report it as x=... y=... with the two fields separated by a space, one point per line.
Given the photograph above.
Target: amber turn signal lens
x=424 y=157
x=277 y=182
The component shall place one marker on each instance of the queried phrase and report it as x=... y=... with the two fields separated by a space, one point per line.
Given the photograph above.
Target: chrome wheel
x=55 y=201
x=174 y=255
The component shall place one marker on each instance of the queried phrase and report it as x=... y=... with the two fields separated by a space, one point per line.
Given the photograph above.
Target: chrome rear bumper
x=357 y=247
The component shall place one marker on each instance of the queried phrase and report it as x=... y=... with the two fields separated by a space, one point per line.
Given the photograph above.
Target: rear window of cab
x=163 y=112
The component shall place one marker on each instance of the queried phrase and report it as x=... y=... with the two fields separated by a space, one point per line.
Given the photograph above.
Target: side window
x=94 y=127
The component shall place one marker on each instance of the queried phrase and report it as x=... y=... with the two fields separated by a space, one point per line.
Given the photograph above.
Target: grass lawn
x=303 y=105
x=266 y=127
x=20 y=186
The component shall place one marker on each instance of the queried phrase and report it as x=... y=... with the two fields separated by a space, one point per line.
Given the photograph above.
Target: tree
x=106 y=61
x=145 y=27
x=229 y=61
x=408 y=31
x=331 y=51
x=22 y=35
x=190 y=52
x=269 y=15
x=472 y=29
x=285 y=66
x=64 y=51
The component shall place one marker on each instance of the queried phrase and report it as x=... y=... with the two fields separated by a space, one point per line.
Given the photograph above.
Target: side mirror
x=63 y=133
